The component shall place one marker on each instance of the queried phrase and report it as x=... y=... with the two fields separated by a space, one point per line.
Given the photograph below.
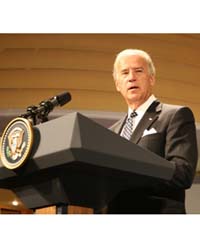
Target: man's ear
x=152 y=80
x=117 y=85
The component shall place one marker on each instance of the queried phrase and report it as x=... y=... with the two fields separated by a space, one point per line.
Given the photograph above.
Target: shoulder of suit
x=171 y=109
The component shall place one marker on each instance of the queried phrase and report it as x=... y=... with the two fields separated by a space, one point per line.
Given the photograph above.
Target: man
x=166 y=130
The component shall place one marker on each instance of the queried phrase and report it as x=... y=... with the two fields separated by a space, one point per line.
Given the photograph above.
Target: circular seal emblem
x=16 y=143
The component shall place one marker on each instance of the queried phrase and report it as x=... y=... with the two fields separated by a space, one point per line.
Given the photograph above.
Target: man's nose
x=131 y=76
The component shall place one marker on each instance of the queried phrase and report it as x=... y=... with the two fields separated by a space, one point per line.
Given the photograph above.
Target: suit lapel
x=119 y=125
x=150 y=116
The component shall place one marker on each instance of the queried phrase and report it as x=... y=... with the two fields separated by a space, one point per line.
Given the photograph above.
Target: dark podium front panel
x=76 y=161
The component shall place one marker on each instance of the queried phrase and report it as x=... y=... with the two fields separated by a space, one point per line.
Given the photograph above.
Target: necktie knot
x=133 y=114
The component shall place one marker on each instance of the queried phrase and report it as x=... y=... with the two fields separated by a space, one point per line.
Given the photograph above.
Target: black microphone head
x=63 y=98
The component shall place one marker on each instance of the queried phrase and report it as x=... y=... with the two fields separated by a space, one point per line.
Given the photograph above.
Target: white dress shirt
x=141 y=111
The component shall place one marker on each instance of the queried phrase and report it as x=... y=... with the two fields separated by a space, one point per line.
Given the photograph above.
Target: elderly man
x=171 y=135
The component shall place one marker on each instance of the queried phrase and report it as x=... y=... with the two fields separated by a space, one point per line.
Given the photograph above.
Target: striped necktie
x=128 y=127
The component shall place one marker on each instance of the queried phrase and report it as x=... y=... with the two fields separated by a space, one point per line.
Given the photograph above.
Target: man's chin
x=133 y=98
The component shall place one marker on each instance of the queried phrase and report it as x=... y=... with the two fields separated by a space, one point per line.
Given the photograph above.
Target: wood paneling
x=46 y=210
x=55 y=58
x=67 y=78
x=36 y=66
x=70 y=210
x=79 y=210
x=51 y=59
x=98 y=100
x=6 y=209
x=81 y=99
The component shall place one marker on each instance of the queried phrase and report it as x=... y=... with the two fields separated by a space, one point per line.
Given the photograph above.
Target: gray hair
x=129 y=52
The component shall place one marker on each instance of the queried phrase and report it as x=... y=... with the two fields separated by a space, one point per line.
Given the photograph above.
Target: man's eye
x=124 y=72
x=138 y=70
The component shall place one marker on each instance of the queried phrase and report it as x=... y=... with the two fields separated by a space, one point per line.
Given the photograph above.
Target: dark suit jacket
x=175 y=141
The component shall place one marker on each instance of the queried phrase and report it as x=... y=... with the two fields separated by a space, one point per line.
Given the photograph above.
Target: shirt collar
x=143 y=108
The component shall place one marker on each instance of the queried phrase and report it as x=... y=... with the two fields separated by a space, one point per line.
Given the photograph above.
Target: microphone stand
x=30 y=115
x=44 y=110
x=40 y=114
x=36 y=114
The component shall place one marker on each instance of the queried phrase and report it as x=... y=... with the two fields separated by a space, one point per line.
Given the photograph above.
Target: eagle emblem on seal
x=15 y=143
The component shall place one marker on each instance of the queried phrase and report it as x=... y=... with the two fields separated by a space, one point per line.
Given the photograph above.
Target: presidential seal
x=16 y=143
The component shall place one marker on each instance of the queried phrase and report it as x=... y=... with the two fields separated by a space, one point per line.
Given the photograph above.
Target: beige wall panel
x=37 y=66
x=182 y=48
x=90 y=81
x=85 y=80
x=55 y=58
x=165 y=44
x=81 y=99
x=179 y=47
x=181 y=72
x=54 y=78
x=186 y=40
x=181 y=91
x=21 y=98
x=28 y=59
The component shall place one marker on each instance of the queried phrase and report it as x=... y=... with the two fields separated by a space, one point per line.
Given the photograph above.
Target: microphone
x=47 y=106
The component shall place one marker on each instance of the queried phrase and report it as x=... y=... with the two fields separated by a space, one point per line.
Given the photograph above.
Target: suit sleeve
x=181 y=147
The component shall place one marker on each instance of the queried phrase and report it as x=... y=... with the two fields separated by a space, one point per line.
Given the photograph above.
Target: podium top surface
x=76 y=138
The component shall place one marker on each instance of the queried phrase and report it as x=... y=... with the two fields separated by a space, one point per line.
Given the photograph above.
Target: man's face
x=133 y=80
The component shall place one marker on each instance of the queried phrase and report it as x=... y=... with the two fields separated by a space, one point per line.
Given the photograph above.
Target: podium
x=76 y=161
